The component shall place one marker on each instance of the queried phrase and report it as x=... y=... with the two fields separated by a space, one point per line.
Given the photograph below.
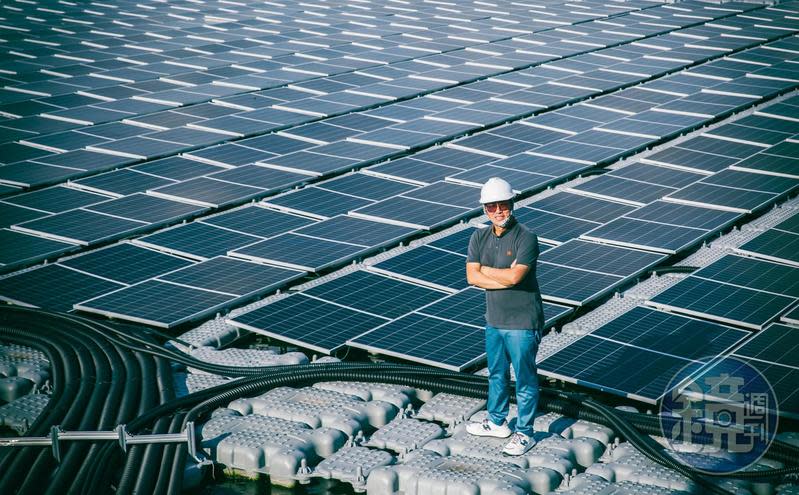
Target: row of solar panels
x=186 y=128
x=555 y=158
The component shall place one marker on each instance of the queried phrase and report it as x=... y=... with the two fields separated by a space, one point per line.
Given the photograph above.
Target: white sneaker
x=488 y=429
x=518 y=445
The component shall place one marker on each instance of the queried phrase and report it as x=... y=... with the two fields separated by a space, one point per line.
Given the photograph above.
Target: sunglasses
x=495 y=207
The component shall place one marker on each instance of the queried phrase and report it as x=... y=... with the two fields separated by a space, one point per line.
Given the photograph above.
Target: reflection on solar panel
x=234 y=277
x=53 y=287
x=366 y=186
x=661 y=238
x=413 y=213
x=206 y=192
x=427 y=340
x=775 y=344
x=457 y=242
x=56 y=199
x=81 y=227
x=257 y=221
x=657 y=345
x=753 y=274
x=684 y=215
x=156 y=303
x=373 y=293
x=316 y=202
x=299 y=252
x=307 y=322
x=146 y=208
x=427 y=266
x=627 y=191
x=196 y=240
x=654 y=174
x=581 y=207
x=774 y=245
x=522 y=181
x=722 y=302
x=601 y=258
x=573 y=286
x=357 y=231
x=125 y=263
x=448 y=194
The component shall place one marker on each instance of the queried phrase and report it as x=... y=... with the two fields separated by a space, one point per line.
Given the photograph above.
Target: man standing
x=502 y=260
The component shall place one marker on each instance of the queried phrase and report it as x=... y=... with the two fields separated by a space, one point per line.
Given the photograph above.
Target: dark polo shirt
x=517 y=307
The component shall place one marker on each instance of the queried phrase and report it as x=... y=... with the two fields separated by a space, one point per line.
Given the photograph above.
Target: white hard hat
x=496 y=189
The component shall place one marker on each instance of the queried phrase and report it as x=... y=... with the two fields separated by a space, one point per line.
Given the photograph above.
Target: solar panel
x=722 y=302
x=410 y=169
x=125 y=263
x=776 y=343
x=521 y=181
x=654 y=174
x=541 y=165
x=413 y=213
x=121 y=182
x=685 y=215
x=234 y=277
x=376 y=294
x=457 y=242
x=725 y=198
x=722 y=147
x=156 y=303
x=427 y=340
x=690 y=160
x=196 y=240
x=573 y=286
x=468 y=307
x=791 y=317
x=601 y=258
x=634 y=233
x=265 y=178
x=604 y=365
x=628 y=191
x=229 y=155
x=207 y=192
x=427 y=266
x=317 y=202
x=56 y=199
x=753 y=274
x=305 y=162
x=769 y=164
x=81 y=227
x=552 y=227
x=366 y=186
x=448 y=194
x=357 y=231
x=10 y=214
x=307 y=322
x=581 y=207
x=146 y=208
x=789 y=225
x=774 y=245
x=35 y=287
x=257 y=221
x=299 y=252
x=753 y=181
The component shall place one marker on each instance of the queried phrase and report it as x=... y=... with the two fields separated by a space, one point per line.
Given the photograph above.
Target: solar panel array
x=134 y=122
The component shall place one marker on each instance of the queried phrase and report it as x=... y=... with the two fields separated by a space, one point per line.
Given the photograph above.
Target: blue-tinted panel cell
x=623 y=189
x=581 y=207
x=198 y=240
x=387 y=297
x=727 y=197
x=146 y=208
x=209 y=192
x=261 y=222
x=520 y=181
x=299 y=252
x=685 y=215
x=308 y=322
x=234 y=277
x=427 y=340
x=414 y=170
x=176 y=168
x=366 y=186
x=753 y=274
x=428 y=265
x=549 y=226
x=32 y=174
x=126 y=263
x=412 y=212
x=313 y=163
x=774 y=245
x=753 y=182
x=260 y=177
x=10 y=214
x=647 y=235
x=723 y=302
x=157 y=303
x=123 y=182
x=653 y=174
x=357 y=231
x=56 y=199
x=573 y=286
x=17 y=248
x=36 y=287
x=83 y=227
x=448 y=194
x=318 y=202
x=230 y=154
x=457 y=243
x=601 y=258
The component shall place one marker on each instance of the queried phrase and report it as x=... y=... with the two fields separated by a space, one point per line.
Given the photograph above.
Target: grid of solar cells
x=774 y=245
x=410 y=212
x=357 y=231
x=573 y=286
x=376 y=294
x=754 y=274
x=428 y=340
x=661 y=238
x=428 y=266
x=257 y=221
x=723 y=302
x=299 y=252
x=126 y=263
x=628 y=191
x=37 y=287
x=684 y=215
x=776 y=343
x=71 y=226
x=196 y=240
x=308 y=322
x=146 y=208
x=457 y=242
x=601 y=258
x=317 y=202
x=366 y=186
x=156 y=303
x=56 y=199
x=235 y=277
x=581 y=207
x=17 y=248
x=208 y=192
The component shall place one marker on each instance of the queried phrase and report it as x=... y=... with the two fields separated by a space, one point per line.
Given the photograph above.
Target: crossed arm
x=487 y=277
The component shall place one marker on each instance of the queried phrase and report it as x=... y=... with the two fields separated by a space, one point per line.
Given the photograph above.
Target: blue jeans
x=519 y=347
